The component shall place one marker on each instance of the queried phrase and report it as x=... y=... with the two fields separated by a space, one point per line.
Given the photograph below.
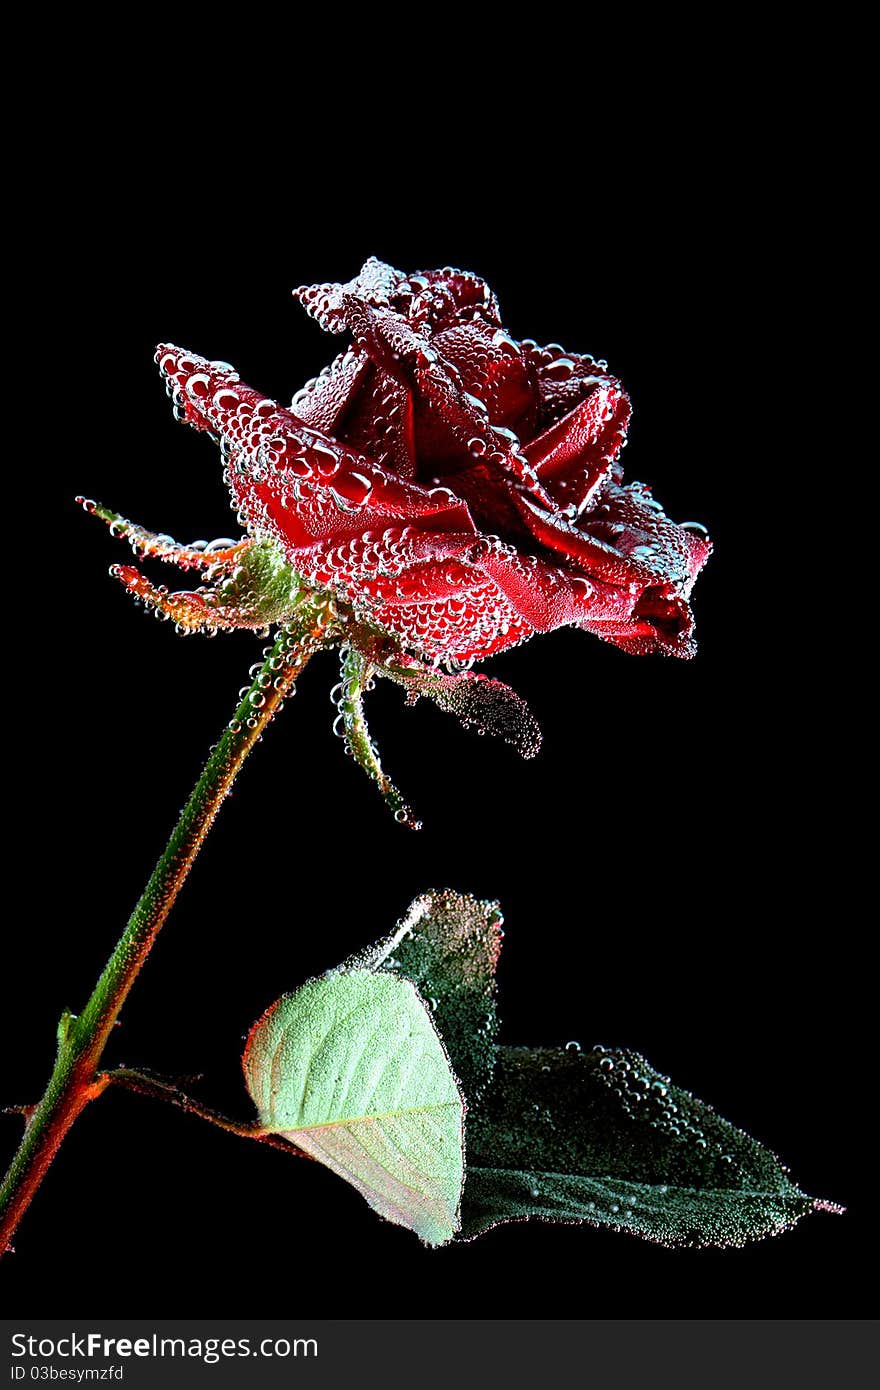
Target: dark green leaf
x=481 y=703
x=603 y=1138
x=448 y=946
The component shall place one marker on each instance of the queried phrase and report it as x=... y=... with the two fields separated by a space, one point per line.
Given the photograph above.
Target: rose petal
x=375 y=282
x=629 y=519
x=450 y=296
x=493 y=369
x=573 y=457
x=563 y=377
x=292 y=482
x=591 y=553
x=323 y=402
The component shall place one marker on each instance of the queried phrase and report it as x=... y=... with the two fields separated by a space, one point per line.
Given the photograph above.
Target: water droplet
x=198 y=386
x=505 y=343
x=324 y=459
x=353 y=487
x=560 y=369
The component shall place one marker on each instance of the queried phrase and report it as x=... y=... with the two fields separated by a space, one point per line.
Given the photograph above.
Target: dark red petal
x=293 y=483
x=375 y=282
x=629 y=519
x=380 y=565
x=470 y=626
x=563 y=378
x=324 y=401
x=445 y=611
x=451 y=426
x=448 y=296
x=656 y=618
x=379 y=422
x=428 y=583
x=493 y=369
x=306 y=512
x=267 y=440
x=503 y=598
x=573 y=457
x=593 y=554
x=390 y=341
x=662 y=622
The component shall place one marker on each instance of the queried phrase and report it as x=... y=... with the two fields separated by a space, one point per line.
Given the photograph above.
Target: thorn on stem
x=24 y=1110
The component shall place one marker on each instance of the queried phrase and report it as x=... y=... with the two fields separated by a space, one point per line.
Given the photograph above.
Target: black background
x=671 y=866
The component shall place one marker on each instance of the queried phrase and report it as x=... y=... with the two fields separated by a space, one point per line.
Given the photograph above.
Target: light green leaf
x=448 y=945
x=603 y=1138
x=351 y=1070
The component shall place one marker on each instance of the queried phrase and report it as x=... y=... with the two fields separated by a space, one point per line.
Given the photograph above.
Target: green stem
x=75 y=1079
x=356 y=672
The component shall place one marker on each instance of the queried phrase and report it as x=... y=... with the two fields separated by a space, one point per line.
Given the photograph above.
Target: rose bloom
x=458 y=489
x=437 y=494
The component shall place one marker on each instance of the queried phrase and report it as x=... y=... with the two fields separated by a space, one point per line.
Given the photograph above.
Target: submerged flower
x=451 y=490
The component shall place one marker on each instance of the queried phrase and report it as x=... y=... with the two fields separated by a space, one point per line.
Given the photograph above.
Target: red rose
x=457 y=488
x=439 y=493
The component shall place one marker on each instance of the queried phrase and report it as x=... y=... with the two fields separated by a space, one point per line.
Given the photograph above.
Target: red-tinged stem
x=146 y=1085
x=76 y=1077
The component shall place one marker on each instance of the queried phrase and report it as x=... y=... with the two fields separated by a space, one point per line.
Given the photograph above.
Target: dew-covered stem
x=146 y=1085
x=75 y=1079
x=356 y=673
